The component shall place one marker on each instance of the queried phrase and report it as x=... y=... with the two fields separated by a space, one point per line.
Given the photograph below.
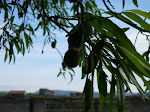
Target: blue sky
x=36 y=70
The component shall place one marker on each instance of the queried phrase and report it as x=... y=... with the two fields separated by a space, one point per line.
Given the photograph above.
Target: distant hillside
x=3 y=92
x=67 y=93
x=96 y=94
x=63 y=93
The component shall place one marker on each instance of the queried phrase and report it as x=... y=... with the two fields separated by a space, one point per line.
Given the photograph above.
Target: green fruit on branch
x=20 y=14
x=77 y=33
x=74 y=41
x=39 y=15
x=72 y=57
x=53 y=44
x=75 y=38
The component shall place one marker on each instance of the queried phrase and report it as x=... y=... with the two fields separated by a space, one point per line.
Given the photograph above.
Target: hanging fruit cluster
x=73 y=55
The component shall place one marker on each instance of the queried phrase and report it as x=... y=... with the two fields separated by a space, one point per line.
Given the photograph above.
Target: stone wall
x=68 y=105
x=22 y=105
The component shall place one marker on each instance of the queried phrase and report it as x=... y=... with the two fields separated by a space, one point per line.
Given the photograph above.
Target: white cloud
x=141 y=43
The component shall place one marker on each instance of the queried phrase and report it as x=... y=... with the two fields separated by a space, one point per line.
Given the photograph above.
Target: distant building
x=76 y=95
x=45 y=91
x=18 y=93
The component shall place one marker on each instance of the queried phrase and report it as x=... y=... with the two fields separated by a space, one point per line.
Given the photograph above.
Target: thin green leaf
x=26 y=39
x=146 y=55
x=21 y=27
x=88 y=91
x=138 y=19
x=119 y=15
x=120 y=93
x=102 y=86
x=38 y=26
x=72 y=70
x=125 y=29
x=91 y=62
x=23 y=49
x=127 y=67
x=12 y=19
x=124 y=18
x=60 y=72
x=142 y=13
x=17 y=46
x=124 y=43
x=135 y=2
x=138 y=61
x=31 y=30
x=84 y=67
x=100 y=22
x=112 y=93
x=123 y=3
x=6 y=55
x=133 y=79
x=146 y=83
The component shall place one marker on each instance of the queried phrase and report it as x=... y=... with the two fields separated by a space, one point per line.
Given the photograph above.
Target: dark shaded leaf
x=120 y=93
x=6 y=55
x=112 y=93
x=124 y=43
x=123 y=3
x=135 y=2
x=88 y=91
x=102 y=86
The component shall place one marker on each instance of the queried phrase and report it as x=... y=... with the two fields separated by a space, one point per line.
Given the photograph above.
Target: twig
x=59 y=53
x=62 y=18
x=136 y=37
x=110 y=4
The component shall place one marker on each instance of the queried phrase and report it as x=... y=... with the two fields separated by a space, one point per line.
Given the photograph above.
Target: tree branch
x=110 y=4
x=62 y=18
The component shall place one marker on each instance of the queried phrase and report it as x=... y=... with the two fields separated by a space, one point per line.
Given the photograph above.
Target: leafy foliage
x=95 y=42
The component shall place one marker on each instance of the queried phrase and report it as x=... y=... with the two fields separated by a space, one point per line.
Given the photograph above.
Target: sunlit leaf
x=138 y=61
x=142 y=13
x=138 y=19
